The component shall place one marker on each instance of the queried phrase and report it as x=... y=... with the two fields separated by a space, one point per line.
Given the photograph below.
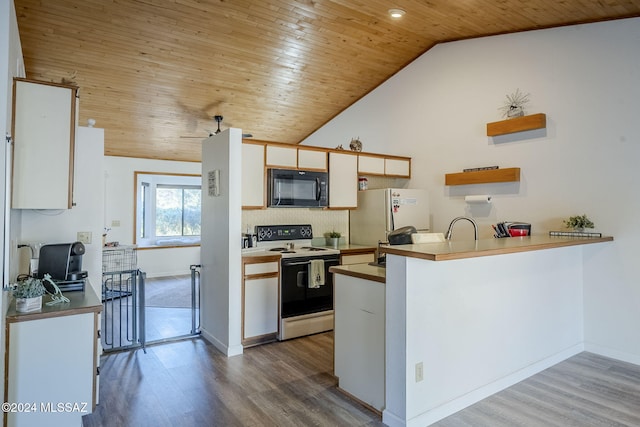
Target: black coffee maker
x=63 y=262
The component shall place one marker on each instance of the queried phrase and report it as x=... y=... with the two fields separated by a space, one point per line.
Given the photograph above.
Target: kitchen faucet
x=475 y=227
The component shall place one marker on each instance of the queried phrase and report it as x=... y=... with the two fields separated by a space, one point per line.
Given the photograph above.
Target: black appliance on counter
x=63 y=262
x=304 y=310
x=289 y=188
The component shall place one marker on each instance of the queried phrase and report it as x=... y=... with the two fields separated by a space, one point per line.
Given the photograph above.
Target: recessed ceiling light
x=396 y=13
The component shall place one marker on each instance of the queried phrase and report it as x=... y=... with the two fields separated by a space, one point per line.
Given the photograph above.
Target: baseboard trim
x=220 y=346
x=612 y=353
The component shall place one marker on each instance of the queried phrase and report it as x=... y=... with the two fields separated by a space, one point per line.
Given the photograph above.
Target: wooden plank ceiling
x=153 y=71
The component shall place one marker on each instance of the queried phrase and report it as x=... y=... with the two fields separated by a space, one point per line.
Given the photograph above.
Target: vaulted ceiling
x=153 y=73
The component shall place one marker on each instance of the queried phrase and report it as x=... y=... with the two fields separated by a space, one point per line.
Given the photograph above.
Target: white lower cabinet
x=51 y=373
x=260 y=306
x=359 y=338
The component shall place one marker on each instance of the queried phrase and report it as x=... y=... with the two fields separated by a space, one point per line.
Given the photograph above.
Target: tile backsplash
x=321 y=220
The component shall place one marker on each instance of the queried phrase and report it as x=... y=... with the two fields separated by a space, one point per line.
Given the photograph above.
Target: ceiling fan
x=218 y=119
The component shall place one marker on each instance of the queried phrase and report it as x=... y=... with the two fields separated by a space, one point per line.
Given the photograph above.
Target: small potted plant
x=333 y=238
x=578 y=222
x=28 y=294
x=514 y=105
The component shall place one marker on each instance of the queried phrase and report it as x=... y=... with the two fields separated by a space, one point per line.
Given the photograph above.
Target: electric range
x=305 y=307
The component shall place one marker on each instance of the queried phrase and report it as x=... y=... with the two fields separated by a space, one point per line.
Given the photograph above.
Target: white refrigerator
x=383 y=210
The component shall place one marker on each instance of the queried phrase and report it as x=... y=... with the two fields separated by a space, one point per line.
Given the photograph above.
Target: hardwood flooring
x=189 y=383
x=583 y=391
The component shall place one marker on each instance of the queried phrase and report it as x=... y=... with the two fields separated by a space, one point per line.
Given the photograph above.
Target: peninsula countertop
x=363 y=271
x=461 y=249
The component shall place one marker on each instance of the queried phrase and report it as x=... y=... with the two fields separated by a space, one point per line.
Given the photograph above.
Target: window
x=167 y=209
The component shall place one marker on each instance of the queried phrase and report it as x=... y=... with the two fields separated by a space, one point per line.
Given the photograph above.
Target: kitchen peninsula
x=465 y=319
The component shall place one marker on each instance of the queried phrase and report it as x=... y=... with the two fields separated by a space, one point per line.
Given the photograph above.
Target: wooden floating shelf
x=517 y=124
x=483 y=177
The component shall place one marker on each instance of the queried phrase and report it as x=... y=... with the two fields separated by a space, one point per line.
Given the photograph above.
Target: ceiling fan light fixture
x=217 y=119
x=396 y=13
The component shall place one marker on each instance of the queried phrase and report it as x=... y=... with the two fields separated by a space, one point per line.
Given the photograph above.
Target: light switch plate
x=84 y=237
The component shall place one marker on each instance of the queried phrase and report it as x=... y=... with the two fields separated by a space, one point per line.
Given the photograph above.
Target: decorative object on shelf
x=104 y=236
x=28 y=294
x=514 y=105
x=578 y=222
x=575 y=234
x=333 y=238
x=484 y=168
x=339 y=147
x=355 y=144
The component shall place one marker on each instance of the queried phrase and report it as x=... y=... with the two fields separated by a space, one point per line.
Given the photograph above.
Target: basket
x=119 y=259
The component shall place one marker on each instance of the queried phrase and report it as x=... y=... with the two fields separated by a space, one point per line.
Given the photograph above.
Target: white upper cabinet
x=343 y=180
x=312 y=159
x=397 y=167
x=282 y=157
x=253 y=175
x=373 y=165
x=43 y=150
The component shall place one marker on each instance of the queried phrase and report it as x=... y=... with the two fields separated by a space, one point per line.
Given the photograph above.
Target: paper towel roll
x=478 y=200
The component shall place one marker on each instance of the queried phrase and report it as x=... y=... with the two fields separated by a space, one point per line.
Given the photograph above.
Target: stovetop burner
x=313 y=248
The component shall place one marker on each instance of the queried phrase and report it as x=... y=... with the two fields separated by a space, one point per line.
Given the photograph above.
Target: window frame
x=152 y=180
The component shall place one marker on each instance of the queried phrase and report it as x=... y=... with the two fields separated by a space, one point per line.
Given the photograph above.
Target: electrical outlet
x=419 y=372
x=84 y=237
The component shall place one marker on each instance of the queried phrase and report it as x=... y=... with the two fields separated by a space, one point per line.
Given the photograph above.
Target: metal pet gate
x=123 y=299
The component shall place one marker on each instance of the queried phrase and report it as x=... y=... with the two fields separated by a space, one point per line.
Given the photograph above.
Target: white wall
x=62 y=226
x=221 y=287
x=119 y=206
x=586 y=79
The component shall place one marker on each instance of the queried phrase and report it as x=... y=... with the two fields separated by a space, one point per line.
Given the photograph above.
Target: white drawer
x=261 y=268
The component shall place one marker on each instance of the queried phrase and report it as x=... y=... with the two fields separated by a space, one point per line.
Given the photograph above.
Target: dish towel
x=316 y=273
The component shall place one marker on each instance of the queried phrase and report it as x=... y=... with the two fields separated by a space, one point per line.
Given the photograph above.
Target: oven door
x=294 y=188
x=296 y=296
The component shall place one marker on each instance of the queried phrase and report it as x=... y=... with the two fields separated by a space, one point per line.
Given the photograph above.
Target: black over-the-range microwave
x=297 y=189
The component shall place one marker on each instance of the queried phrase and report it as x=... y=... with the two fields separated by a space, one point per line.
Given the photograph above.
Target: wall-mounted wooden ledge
x=483 y=177
x=461 y=249
x=517 y=124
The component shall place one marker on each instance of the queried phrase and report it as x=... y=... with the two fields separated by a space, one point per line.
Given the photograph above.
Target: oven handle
x=296 y=263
